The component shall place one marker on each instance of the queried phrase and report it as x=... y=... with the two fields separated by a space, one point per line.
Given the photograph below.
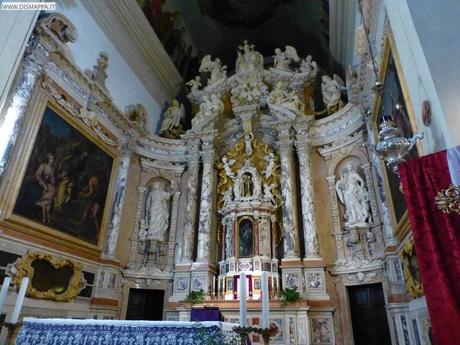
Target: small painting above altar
x=246 y=243
x=66 y=181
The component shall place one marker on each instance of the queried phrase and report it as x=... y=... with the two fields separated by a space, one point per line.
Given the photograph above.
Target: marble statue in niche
x=247 y=186
x=156 y=220
x=246 y=238
x=354 y=196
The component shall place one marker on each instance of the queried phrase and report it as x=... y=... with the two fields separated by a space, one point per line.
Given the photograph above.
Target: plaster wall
x=427 y=65
x=437 y=26
x=123 y=85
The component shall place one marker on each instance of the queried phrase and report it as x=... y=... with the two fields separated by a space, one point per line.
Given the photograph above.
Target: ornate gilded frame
x=413 y=284
x=24 y=269
x=401 y=227
x=48 y=92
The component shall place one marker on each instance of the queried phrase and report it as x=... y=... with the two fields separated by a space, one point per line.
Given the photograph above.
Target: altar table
x=118 y=332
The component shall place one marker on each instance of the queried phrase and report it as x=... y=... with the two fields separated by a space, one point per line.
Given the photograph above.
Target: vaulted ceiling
x=217 y=27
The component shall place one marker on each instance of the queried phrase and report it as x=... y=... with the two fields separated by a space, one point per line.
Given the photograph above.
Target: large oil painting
x=66 y=181
x=387 y=106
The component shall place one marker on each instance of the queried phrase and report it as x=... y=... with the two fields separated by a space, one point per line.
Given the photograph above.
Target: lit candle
x=214 y=285
x=22 y=293
x=265 y=301
x=4 y=292
x=243 y=300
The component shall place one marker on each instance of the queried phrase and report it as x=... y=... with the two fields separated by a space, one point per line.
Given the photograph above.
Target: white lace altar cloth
x=118 y=332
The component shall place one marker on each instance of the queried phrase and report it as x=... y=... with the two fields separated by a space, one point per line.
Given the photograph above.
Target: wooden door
x=145 y=304
x=368 y=315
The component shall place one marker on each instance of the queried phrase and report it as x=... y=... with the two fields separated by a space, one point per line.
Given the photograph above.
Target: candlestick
x=265 y=300
x=243 y=300
x=21 y=294
x=4 y=292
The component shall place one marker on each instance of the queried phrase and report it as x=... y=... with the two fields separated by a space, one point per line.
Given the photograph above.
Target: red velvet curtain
x=437 y=243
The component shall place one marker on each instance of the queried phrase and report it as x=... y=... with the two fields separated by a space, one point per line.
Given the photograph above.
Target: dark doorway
x=368 y=315
x=145 y=304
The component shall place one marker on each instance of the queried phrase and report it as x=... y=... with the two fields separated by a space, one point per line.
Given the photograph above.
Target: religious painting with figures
x=393 y=103
x=66 y=181
x=246 y=238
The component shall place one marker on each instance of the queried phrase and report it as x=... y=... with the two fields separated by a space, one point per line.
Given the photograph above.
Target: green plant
x=289 y=296
x=195 y=297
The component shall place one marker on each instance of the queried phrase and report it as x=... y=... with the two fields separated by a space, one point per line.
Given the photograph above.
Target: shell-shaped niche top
x=248 y=172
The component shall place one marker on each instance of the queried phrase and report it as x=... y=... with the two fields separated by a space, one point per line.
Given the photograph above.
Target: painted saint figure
x=45 y=178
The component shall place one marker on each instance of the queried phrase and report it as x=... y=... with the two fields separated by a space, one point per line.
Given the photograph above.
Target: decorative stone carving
x=214 y=67
x=361 y=277
x=268 y=195
x=249 y=63
x=171 y=126
x=137 y=114
x=210 y=108
x=227 y=167
x=322 y=332
x=309 y=66
x=98 y=74
x=285 y=105
x=282 y=60
x=60 y=30
x=353 y=194
x=330 y=90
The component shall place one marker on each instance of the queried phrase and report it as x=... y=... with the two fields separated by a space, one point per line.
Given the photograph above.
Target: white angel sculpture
x=173 y=116
x=227 y=167
x=308 y=66
x=214 y=67
x=270 y=158
x=282 y=60
x=194 y=84
x=209 y=109
x=268 y=195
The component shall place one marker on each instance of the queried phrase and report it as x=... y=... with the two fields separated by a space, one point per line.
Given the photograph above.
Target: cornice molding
x=130 y=32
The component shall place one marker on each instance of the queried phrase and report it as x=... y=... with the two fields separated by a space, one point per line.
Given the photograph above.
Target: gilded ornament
x=65 y=292
x=410 y=268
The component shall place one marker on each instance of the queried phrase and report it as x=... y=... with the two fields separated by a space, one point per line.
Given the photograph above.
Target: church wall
x=417 y=65
x=123 y=85
x=437 y=27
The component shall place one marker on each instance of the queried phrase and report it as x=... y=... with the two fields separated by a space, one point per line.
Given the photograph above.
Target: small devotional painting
x=66 y=181
x=246 y=238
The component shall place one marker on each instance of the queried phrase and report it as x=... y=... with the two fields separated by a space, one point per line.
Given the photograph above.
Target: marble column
x=308 y=207
x=335 y=219
x=134 y=259
x=291 y=242
x=190 y=209
x=30 y=71
x=173 y=226
x=207 y=208
x=117 y=205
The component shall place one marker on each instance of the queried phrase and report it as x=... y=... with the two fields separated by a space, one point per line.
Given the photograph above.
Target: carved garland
x=24 y=268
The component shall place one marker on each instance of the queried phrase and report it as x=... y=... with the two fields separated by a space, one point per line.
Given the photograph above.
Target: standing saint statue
x=156 y=218
x=354 y=196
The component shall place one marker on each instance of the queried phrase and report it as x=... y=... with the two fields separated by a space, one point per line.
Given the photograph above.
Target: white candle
x=214 y=285
x=18 y=306
x=243 y=300
x=4 y=292
x=265 y=300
